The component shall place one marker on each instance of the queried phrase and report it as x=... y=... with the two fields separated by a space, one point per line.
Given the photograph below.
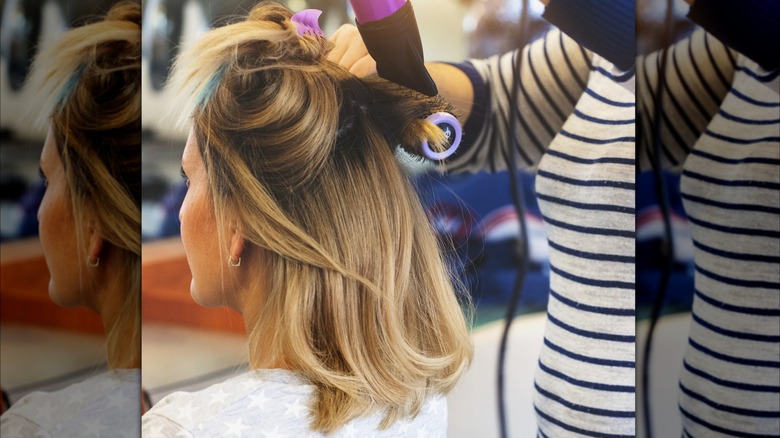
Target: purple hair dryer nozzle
x=374 y=10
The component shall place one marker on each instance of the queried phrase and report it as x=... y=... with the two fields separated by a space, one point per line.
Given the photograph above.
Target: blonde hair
x=300 y=154
x=90 y=81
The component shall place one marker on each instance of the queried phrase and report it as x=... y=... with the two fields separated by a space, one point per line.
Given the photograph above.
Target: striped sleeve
x=699 y=71
x=553 y=71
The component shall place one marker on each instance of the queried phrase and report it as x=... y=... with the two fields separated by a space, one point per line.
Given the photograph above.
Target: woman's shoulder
x=245 y=401
x=108 y=401
x=276 y=403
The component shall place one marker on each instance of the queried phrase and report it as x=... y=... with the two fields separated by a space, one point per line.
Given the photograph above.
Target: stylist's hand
x=350 y=52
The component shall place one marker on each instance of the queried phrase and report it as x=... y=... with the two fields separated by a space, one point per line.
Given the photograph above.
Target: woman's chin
x=61 y=299
x=204 y=299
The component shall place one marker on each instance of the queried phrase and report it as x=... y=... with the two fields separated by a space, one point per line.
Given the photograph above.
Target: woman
x=299 y=217
x=89 y=218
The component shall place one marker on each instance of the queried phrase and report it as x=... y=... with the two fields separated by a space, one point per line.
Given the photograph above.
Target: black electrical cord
x=522 y=250
x=667 y=245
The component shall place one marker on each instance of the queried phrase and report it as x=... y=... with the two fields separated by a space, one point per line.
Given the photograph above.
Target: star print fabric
x=271 y=404
x=107 y=404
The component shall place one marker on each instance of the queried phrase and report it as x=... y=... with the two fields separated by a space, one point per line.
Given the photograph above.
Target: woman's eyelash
x=43 y=176
x=184 y=176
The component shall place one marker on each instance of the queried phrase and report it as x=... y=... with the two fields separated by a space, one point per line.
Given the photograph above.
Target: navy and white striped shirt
x=574 y=122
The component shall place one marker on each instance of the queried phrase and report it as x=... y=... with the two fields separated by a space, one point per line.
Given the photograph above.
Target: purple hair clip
x=306 y=22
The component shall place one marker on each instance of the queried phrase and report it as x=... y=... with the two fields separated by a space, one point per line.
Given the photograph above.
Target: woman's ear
x=94 y=245
x=236 y=243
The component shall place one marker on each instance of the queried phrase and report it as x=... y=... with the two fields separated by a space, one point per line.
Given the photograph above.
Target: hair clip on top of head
x=306 y=22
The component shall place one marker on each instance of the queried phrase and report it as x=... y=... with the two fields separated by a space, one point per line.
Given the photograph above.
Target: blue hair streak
x=70 y=86
x=210 y=88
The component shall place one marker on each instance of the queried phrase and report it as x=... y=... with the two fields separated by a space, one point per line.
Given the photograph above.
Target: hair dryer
x=389 y=30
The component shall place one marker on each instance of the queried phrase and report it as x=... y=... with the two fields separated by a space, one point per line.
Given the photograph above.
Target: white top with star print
x=271 y=404
x=107 y=404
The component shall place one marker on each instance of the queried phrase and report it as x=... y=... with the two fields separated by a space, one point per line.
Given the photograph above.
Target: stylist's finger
x=348 y=44
x=339 y=44
x=363 y=67
x=349 y=48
